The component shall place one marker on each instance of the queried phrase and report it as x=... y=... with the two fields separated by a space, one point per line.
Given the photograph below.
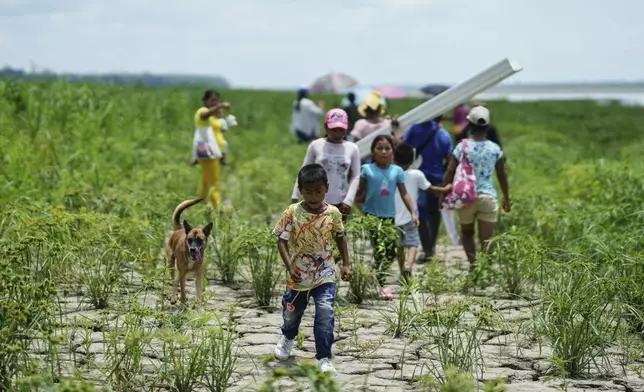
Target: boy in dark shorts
x=416 y=181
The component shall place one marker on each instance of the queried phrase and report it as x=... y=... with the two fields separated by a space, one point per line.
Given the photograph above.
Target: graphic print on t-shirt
x=384 y=186
x=309 y=239
x=384 y=191
x=336 y=167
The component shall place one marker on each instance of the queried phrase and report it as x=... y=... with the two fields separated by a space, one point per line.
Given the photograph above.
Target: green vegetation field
x=91 y=174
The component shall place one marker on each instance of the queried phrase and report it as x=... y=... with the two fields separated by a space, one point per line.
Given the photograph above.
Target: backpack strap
x=465 y=151
x=424 y=144
x=428 y=140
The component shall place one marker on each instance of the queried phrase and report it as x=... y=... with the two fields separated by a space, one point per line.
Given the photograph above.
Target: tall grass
x=580 y=315
x=264 y=265
x=220 y=354
x=456 y=329
x=100 y=272
x=513 y=263
x=26 y=309
x=91 y=174
x=199 y=354
x=226 y=246
x=124 y=353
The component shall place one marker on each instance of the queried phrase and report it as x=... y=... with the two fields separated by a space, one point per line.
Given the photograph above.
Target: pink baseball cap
x=337 y=118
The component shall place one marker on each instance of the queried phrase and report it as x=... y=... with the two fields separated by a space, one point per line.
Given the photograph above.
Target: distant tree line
x=146 y=79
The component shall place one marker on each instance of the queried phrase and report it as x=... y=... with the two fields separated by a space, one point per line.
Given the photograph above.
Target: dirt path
x=373 y=362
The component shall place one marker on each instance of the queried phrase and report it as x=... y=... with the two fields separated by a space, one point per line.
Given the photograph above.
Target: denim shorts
x=409 y=234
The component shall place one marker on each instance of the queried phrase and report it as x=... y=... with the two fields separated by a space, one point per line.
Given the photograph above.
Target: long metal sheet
x=447 y=100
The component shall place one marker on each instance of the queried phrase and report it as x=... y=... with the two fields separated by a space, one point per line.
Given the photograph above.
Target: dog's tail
x=176 y=215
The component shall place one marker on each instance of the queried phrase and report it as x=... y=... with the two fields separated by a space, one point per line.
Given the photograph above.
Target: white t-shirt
x=307 y=119
x=415 y=181
x=337 y=159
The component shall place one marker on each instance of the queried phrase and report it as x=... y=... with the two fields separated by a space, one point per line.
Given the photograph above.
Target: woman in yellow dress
x=209 y=146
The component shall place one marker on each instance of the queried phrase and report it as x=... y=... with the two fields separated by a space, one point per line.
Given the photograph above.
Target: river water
x=626 y=97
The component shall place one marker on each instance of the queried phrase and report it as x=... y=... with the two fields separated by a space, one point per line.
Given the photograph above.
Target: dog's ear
x=207 y=229
x=186 y=226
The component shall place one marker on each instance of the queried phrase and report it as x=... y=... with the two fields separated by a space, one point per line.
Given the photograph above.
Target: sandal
x=386 y=293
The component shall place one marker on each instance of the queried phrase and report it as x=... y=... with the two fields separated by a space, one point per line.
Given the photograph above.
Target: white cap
x=479 y=115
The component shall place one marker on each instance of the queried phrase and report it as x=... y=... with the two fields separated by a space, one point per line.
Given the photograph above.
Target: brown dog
x=184 y=249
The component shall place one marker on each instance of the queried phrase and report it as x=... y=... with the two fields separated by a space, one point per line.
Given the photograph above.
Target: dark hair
x=404 y=154
x=478 y=129
x=438 y=118
x=369 y=111
x=209 y=94
x=312 y=174
x=351 y=97
x=300 y=94
x=379 y=138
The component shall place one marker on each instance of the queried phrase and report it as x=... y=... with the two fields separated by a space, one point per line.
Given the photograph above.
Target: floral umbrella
x=391 y=92
x=333 y=83
x=360 y=92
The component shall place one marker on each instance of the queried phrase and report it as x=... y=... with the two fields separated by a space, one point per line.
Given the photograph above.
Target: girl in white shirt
x=305 y=123
x=340 y=159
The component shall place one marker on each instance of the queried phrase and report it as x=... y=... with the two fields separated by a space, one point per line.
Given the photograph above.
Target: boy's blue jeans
x=324 y=297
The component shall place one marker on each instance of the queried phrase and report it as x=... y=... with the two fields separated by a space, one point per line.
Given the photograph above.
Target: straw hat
x=372 y=100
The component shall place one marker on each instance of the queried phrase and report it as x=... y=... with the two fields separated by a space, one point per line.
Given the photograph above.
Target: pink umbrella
x=333 y=83
x=391 y=92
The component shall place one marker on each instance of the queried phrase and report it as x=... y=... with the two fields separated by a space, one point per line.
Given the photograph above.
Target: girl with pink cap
x=340 y=159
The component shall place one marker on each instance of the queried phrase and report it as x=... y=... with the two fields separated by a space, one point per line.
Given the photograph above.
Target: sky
x=276 y=43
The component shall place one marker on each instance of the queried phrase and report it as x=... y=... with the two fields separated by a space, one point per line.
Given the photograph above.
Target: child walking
x=304 y=233
x=339 y=157
x=404 y=157
x=379 y=181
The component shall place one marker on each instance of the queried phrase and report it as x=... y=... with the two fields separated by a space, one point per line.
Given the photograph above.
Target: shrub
x=264 y=264
x=27 y=308
x=579 y=315
x=225 y=237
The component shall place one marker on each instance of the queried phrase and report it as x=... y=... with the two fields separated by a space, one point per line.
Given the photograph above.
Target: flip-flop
x=386 y=293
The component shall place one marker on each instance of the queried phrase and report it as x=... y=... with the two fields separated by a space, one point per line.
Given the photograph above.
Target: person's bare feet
x=386 y=293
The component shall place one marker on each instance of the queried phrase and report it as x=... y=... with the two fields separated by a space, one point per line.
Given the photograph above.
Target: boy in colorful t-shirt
x=304 y=233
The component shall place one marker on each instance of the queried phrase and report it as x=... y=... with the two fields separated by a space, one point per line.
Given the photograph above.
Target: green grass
x=91 y=174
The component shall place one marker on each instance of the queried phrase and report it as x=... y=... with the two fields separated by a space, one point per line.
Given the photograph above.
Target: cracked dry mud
x=390 y=366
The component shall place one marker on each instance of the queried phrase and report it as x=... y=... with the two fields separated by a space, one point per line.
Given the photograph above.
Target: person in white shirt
x=416 y=181
x=305 y=123
x=340 y=159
